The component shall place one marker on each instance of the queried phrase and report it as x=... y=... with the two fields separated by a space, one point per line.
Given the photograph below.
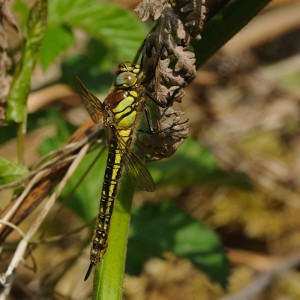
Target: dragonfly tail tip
x=88 y=273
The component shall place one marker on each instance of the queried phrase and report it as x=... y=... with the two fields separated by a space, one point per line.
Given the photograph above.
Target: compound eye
x=126 y=79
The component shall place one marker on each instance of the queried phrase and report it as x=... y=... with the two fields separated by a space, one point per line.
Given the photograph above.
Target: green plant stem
x=224 y=25
x=18 y=94
x=20 y=141
x=108 y=279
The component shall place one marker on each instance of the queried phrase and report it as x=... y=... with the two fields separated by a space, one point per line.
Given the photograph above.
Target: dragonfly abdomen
x=109 y=189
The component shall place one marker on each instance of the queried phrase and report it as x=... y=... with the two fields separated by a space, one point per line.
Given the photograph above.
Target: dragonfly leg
x=169 y=101
x=151 y=128
x=149 y=122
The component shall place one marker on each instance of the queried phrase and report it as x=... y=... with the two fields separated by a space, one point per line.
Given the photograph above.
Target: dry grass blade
x=40 y=188
x=19 y=253
x=57 y=157
x=13 y=226
x=17 y=203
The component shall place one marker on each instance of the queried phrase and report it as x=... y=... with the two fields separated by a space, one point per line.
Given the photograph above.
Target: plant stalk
x=224 y=25
x=108 y=279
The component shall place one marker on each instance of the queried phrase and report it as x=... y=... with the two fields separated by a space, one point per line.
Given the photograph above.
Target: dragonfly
x=121 y=113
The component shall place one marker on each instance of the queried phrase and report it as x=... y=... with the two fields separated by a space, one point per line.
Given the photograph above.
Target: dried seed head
x=169 y=65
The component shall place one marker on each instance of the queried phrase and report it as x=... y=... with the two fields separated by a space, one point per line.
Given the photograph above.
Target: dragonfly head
x=128 y=75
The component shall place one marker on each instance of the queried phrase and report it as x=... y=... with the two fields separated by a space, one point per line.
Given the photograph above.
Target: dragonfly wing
x=138 y=173
x=92 y=104
x=135 y=167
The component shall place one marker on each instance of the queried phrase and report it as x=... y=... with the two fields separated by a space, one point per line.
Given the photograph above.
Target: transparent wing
x=92 y=104
x=135 y=168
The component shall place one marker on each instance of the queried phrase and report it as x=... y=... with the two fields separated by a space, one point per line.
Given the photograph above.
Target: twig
x=263 y=280
x=56 y=161
x=88 y=132
x=45 y=167
x=20 y=251
x=12 y=225
x=58 y=153
x=258 y=261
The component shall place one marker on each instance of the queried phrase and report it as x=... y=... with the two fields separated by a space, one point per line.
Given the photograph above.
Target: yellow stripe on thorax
x=123 y=109
x=124 y=103
x=128 y=120
x=122 y=113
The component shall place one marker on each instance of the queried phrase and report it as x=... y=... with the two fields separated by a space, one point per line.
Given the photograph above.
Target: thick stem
x=224 y=25
x=108 y=279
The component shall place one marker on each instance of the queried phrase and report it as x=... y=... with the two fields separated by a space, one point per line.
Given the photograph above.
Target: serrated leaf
x=159 y=228
x=7 y=16
x=57 y=39
x=11 y=171
x=111 y=24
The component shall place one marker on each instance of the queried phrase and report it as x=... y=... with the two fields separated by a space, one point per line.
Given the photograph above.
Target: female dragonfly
x=120 y=113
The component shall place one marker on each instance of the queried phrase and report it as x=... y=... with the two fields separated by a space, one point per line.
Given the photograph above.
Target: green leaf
x=17 y=98
x=198 y=165
x=115 y=26
x=56 y=40
x=23 y=10
x=159 y=228
x=10 y=171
